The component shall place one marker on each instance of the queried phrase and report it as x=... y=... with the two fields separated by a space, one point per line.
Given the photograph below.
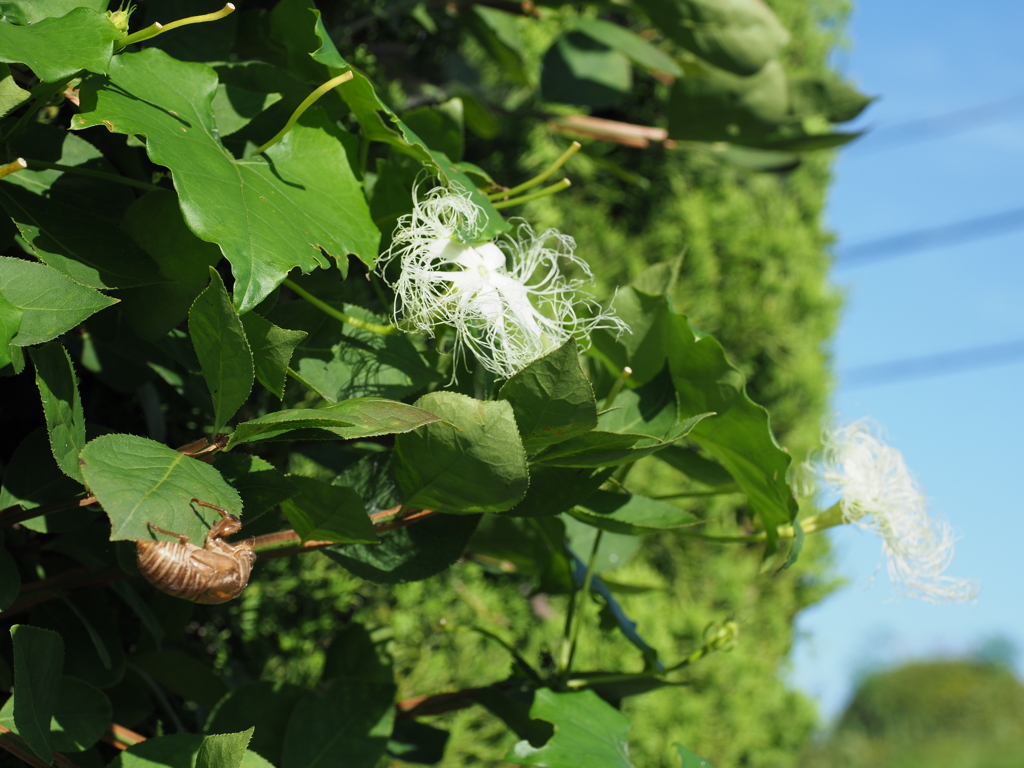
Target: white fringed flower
x=880 y=495
x=507 y=301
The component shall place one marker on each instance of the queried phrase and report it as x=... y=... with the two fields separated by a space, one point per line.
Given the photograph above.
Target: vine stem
x=28 y=757
x=17 y=514
x=288 y=543
x=558 y=186
x=355 y=322
x=95 y=174
x=830 y=518
x=572 y=150
x=306 y=104
x=156 y=28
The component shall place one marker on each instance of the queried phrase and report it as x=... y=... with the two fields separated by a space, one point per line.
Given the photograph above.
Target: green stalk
x=157 y=28
x=355 y=322
x=572 y=150
x=722 y=491
x=575 y=616
x=830 y=518
x=306 y=104
x=550 y=190
x=42 y=92
x=617 y=388
x=96 y=175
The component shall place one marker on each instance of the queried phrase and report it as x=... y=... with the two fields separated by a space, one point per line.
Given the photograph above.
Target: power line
x=968 y=230
x=934 y=365
x=939 y=126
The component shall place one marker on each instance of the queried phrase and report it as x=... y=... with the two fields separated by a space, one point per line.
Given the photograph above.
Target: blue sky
x=962 y=434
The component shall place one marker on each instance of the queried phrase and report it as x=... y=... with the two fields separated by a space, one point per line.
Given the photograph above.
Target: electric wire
x=927 y=366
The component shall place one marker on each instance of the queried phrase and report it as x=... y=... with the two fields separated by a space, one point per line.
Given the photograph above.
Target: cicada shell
x=209 y=575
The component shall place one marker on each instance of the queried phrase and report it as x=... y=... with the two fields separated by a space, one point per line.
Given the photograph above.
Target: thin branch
x=112 y=177
x=48 y=589
x=27 y=757
x=274 y=545
x=17 y=514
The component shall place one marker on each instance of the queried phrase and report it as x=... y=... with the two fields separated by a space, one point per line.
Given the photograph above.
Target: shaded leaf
x=608 y=449
x=180 y=750
x=340 y=361
x=323 y=512
x=71 y=222
x=588 y=731
x=264 y=706
x=631 y=514
x=10 y=579
x=347 y=717
x=272 y=350
x=440 y=126
x=352 y=654
x=836 y=100
x=33 y=479
x=50 y=303
x=554 y=490
x=81 y=658
x=155 y=222
x=696 y=467
x=630 y=44
x=261 y=486
x=347 y=420
x=474 y=462
x=497 y=33
x=141 y=482
x=38 y=660
x=738 y=35
x=414 y=742
x=62 y=406
x=223 y=352
x=58 y=48
x=184 y=675
x=740 y=435
x=269 y=214
x=646 y=410
x=532 y=547
x=578 y=69
x=552 y=399
x=81 y=715
x=10 y=322
x=413 y=553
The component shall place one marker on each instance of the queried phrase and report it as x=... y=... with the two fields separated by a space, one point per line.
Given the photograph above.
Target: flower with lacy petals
x=506 y=300
x=879 y=494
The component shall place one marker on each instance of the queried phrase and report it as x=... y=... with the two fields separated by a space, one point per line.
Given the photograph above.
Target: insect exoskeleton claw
x=212 y=574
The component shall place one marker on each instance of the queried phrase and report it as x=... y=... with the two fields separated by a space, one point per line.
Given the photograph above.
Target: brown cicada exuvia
x=212 y=574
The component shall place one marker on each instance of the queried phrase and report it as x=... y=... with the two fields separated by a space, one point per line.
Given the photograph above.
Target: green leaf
x=630 y=44
x=644 y=349
x=346 y=717
x=323 y=512
x=154 y=221
x=608 y=449
x=347 y=420
x=534 y=547
x=647 y=410
x=49 y=208
x=631 y=514
x=690 y=760
x=10 y=322
x=696 y=467
x=225 y=750
x=512 y=710
x=577 y=69
x=740 y=36
x=38 y=659
x=138 y=606
x=413 y=553
x=416 y=742
x=588 y=731
x=269 y=214
x=474 y=462
x=739 y=436
x=272 y=350
x=10 y=579
x=59 y=48
x=33 y=479
x=554 y=490
x=440 y=126
x=614 y=551
x=260 y=485
x=141 y=482
x=830 y=97
x=721 y=106
x=184 y=675
x=31 y=11
x=297 y=27
x=353 y=655
x=51 y=303
x=497 y=33
x=81 y=715
x=62 y=406
x=12 y=95
x=180 y=750
x=223 y=351
x=340 y=361
x=552 y=399
x=264 y=706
